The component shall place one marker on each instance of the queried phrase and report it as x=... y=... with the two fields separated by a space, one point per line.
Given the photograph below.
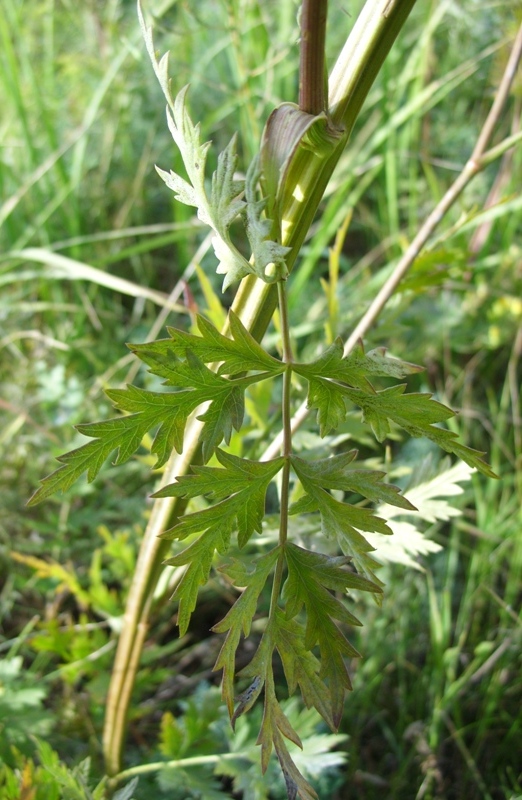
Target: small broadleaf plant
x=207 y=374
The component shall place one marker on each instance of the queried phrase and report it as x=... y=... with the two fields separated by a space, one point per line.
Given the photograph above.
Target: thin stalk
x=178 y=763
x=287 y=359
x=286 y=445
x=254 y=304
x=312 y=75
x=501 y=96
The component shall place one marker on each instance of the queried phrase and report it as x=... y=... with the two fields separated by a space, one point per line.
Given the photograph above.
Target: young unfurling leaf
x=268 y=256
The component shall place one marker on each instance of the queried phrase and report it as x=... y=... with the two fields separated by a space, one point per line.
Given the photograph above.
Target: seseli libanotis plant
x=206 y=375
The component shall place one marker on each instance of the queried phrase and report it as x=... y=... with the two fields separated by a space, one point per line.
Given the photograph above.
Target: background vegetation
x=435 y=711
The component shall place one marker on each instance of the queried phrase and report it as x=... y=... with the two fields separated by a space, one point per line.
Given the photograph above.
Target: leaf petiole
x=287 y=444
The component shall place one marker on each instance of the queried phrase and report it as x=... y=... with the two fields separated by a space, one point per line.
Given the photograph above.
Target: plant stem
x=479 y=159
x=254 y=304
x=312 y=74
x=286 y=445
x=178 y=763
x=288 y=359
x=362 y=56
x=501 y=96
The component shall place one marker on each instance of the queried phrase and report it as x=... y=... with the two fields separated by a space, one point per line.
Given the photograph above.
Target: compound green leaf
x=296 y=785
x=273 y=719
x=337 y=473
x=167 y=412
x=335 y=649
x=419 y=415
x=239 y=620
x=274 y=729
x=89 y=457
x=241 y=353
x=242 y=482
x=333 y=377
x=329 y=401
x=259 y=665
x=221 y=418
x=310 y=577
x=355 y=368
x=341 y=521
x=251 y=349
x=323 y=681
x=375 y=362
x=199 y=556
x=302 y=668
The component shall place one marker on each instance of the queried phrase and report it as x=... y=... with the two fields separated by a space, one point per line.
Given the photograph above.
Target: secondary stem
x=312 y=74
x=287 y=442
x=288 y=359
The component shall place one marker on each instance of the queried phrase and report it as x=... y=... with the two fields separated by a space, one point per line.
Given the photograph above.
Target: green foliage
x=237 y=491
x=418 y=414
x=343 y=521
x=241 y=353
x=199 y=748
x=181 y=362
x=51 y=779
x=304 y=620
x=243 y=484
x=22 y=712
x=450 y=309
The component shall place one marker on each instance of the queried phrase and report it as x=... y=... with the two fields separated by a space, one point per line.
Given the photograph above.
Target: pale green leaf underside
x=225 y=203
